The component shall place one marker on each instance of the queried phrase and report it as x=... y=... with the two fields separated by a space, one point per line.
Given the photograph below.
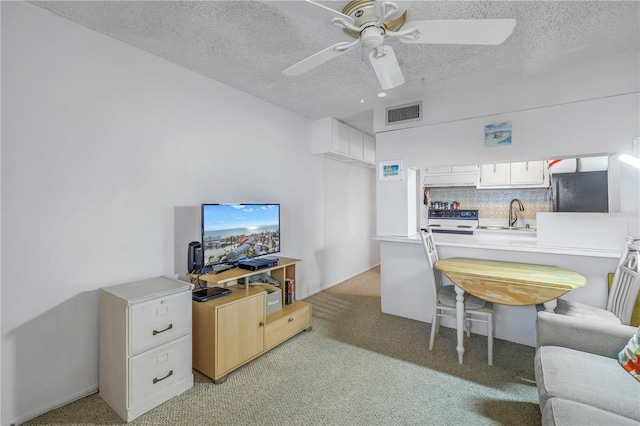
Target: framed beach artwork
x=390 y=170
x=498 y=134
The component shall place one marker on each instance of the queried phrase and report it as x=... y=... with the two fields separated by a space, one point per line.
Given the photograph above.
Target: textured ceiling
x=246 y=45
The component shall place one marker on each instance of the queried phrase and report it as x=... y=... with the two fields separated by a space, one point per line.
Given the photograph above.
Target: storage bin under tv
x=232 y=330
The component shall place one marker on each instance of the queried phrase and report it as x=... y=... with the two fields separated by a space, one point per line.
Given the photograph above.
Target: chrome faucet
x=513 y=214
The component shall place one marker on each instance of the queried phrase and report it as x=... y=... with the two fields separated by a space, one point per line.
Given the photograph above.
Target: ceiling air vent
x=404 y=113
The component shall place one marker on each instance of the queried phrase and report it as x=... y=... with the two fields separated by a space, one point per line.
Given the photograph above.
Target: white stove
x=453 y=221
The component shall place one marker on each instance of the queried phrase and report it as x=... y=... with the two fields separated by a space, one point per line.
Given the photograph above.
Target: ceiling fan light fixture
x=372 y=37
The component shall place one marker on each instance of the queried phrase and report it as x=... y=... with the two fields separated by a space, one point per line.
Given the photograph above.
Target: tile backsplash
x=494 y=203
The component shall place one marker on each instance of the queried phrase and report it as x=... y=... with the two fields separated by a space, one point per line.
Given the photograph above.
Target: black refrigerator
x=580 y=192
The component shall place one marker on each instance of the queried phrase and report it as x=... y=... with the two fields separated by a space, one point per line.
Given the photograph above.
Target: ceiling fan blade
x=462 y=31
x=309 y=9
x=318 y=58
x=386 y=67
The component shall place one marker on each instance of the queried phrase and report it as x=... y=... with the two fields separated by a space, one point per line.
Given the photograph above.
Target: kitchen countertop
x=500 y=241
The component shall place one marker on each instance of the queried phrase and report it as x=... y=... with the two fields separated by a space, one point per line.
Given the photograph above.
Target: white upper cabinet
x=334 y=139
x=525 y=174
x=369 y=148
x=528 y=173
x=340 y=137
x=444 y=176
x=356 y=143
x=494 y=174
x=436 y=170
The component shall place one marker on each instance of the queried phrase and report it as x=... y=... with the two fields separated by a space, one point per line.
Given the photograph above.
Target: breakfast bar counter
x=501 y=241
x=406 y=290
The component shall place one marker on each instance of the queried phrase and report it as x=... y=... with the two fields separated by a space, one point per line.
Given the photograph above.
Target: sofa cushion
x=630 y=354
x=586 y=378
x=559 y=412
x=581 y=310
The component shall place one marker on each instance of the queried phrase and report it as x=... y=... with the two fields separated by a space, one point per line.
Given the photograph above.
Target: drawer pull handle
x=261 y=324
x=161 y=331
x=168 y=375
x=290 y=319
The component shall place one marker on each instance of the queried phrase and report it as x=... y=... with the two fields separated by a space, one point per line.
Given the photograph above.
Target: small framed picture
x=390 y=170
x=498 y=134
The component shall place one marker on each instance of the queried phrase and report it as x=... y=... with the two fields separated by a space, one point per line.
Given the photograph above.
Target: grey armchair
x=578 y=376
x=623 y=294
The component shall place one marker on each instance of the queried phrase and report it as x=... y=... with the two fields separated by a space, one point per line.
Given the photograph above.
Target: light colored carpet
x=357 y=366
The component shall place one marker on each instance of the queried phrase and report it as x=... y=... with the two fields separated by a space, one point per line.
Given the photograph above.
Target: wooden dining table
x=507 y=283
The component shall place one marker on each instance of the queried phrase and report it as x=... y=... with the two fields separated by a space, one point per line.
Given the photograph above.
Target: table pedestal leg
x=460 y=322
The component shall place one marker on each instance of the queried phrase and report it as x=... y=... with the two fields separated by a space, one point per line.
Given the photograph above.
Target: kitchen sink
x=507 y=228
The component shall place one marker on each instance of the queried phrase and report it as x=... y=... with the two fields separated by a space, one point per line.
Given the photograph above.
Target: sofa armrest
x=601 y=338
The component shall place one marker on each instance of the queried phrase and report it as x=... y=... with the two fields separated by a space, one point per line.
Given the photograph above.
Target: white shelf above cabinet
x=334 y=139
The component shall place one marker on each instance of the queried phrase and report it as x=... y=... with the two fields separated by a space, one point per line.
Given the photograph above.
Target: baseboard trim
x=368 y=268
x=23 y=418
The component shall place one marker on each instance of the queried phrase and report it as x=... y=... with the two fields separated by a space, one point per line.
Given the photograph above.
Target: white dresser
x=145 y=344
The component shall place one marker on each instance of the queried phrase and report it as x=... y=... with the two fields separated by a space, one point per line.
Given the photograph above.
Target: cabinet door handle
x=156 y=380
x=290 y=319
x=261 y=324
x=162 y=331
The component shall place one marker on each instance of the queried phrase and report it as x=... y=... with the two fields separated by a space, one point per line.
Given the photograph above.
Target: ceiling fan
x=371 y=21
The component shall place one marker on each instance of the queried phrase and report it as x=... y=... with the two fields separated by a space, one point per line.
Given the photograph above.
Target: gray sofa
x=579 y=379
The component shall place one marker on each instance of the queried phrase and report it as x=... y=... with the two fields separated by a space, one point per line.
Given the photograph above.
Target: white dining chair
x=622 y=295
x=444 y=302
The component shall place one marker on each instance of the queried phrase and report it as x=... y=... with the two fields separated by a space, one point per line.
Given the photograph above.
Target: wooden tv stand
x=232 y=330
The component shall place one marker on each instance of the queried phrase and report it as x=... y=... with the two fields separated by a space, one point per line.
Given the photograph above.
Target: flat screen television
x=234 y=232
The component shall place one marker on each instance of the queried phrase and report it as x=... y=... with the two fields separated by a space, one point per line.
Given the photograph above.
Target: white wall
x=397 y=214
x=101 y=143
x=613 y=75
x=597 y=126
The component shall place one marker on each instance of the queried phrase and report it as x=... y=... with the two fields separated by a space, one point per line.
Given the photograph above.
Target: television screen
x=232 y=232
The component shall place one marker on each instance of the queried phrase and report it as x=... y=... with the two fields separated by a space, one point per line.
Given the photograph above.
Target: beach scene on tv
x=232 y=232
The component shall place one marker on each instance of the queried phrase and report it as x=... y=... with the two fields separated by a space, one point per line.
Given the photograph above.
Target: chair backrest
x=429 y=245
x=626 y=284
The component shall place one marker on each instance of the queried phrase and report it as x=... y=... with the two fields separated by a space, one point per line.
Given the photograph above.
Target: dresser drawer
x=159 y=321
x=156 y=369
x=287 y=326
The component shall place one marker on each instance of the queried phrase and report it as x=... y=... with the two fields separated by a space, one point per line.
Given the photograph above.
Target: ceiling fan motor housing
x=364 y=12
x=372 y=37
